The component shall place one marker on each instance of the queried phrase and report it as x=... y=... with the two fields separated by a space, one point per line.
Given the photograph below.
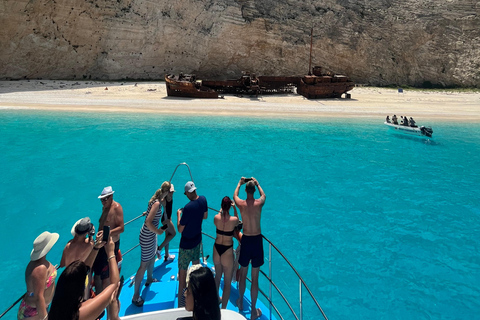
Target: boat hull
x=318 y=87
x=415 y=131
x=188 y=87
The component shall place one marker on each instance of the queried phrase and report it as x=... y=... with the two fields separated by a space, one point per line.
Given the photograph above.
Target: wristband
x=95 y=248
x=111 y=257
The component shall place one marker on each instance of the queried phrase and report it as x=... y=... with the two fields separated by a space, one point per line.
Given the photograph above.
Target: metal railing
x=269 y=297
x=269 y=277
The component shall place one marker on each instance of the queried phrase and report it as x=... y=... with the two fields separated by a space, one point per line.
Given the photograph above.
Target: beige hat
x=43 y=244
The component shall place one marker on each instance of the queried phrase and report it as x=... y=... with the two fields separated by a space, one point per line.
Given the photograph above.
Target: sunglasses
x=105 y=199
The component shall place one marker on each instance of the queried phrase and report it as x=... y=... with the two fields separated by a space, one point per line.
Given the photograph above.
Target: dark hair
x=226 y=204
x=69 y=292
x=205 y=295
x=250 y=187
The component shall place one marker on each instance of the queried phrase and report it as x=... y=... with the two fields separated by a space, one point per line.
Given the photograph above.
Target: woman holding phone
x=148 y=239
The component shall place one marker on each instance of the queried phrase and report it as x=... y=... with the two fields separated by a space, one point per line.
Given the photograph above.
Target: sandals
x=169 y=258
x=153 y=280
x=139 y=302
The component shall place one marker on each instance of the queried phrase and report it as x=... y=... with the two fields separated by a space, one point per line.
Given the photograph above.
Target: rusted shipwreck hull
x=250 y=84
x=186 y=85
x=318 y=85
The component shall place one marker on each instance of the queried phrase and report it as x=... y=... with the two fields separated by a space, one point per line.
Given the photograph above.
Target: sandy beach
x=365 y=102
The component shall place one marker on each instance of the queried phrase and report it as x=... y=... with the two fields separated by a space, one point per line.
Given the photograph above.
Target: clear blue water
x=380 y=226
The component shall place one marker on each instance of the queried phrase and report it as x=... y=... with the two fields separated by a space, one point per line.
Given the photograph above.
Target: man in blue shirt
x=189 y=224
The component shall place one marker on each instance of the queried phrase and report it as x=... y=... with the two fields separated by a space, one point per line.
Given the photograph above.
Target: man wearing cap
x=112 y=216
x=189 y=224
x=252 y=240
x=82 y=243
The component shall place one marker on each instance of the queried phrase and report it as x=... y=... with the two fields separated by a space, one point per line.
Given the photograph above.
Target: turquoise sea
x=380 y=226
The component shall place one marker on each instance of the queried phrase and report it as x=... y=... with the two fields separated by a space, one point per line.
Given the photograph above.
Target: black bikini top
x=225 y=233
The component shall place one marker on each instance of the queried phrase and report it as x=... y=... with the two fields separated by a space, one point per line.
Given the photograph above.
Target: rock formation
x=376 y=42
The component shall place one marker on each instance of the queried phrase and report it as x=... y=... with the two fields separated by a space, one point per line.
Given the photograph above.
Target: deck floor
x=164 y=294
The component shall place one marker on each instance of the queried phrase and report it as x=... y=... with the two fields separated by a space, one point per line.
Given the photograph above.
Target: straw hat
x=43 y=244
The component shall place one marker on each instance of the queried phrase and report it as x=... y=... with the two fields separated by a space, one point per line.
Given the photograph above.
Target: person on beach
x=68 y=302
x=252 y=240
x=148 y=239
x=201 y=295
x=223 y=247
x=112 y=216
x=169 y=233
x=40 y=277
x=189 y=224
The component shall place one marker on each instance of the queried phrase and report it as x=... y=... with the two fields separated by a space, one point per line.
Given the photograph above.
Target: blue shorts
x=251 y=249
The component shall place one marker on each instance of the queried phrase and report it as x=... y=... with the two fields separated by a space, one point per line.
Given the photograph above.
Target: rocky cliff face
x=377 y=42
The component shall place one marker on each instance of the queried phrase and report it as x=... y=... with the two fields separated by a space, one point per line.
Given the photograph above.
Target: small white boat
x=416 y=131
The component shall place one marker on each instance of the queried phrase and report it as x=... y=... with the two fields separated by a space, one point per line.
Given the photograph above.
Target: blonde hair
x=156 y=196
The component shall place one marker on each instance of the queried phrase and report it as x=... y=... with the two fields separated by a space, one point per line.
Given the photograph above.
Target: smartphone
x=106 y=233
x=248 y=179
x=122 y=279
x=164 y=227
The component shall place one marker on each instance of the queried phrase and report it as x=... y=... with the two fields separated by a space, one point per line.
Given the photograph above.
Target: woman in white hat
x=40 y=279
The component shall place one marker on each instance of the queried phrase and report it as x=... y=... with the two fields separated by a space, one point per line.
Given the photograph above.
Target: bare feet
x=240 y=304
x=256 y=314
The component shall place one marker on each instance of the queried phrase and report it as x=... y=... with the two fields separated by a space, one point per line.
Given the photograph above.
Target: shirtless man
x=252 y=240
x=80 y=247
x=82 y=243
x=112 y=216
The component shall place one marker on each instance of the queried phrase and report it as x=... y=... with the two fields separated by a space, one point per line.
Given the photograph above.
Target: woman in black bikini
x=223 y=247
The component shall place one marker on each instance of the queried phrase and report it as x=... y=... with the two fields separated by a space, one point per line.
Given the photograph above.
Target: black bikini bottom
x=222 y=248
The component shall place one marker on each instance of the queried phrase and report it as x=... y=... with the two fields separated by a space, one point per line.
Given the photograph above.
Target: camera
x=248 y=179
x=239 y=226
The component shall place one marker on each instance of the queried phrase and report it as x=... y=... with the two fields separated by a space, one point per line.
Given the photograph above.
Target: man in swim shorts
x=112 y=216
x=252 y=241
x=189 y=224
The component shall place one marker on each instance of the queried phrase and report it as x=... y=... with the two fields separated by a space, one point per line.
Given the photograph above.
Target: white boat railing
x=270 y=296
x=299 y=315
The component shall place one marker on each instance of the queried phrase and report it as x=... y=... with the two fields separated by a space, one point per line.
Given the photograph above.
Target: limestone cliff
x=377 y=42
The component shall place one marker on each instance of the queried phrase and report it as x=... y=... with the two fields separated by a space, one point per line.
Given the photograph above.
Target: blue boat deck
x=163 y=295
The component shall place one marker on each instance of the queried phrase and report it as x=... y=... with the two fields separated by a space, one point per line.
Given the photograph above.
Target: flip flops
x=139 y=302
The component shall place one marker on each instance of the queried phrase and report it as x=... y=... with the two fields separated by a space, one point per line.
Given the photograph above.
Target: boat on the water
x=187 y=85
x=416 y=131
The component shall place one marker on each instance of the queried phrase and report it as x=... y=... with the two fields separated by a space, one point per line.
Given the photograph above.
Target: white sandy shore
x=152 y=97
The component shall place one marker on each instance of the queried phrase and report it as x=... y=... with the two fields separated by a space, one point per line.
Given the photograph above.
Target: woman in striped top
x=148 y=239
